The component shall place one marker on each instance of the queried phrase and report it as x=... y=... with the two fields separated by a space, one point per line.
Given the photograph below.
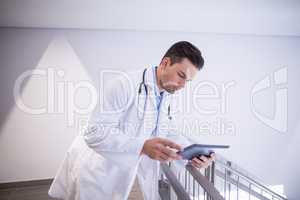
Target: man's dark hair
x=184 y=49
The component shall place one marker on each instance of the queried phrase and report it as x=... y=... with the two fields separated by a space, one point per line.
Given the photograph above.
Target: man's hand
x=161 y=149
x=203 y=161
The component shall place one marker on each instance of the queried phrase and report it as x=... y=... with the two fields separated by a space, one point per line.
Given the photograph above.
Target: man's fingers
x=163 y=157
x=197 y=164
x=203 y=158
x=202 y=161
x=169 y=152
x=171 y=144
x=198 y=161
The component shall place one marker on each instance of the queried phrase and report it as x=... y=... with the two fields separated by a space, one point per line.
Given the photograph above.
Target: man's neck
x=158 y=82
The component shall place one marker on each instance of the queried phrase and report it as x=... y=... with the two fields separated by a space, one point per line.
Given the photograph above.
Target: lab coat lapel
x=154 y=117
x=151 y=111
x=148 y=168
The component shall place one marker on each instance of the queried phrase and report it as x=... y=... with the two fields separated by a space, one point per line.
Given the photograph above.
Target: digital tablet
x=196 y=150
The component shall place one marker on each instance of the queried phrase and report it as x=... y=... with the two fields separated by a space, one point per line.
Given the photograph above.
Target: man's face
x=174 y=77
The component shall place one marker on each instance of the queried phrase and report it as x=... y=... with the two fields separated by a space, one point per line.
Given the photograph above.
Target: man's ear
x=165 y=62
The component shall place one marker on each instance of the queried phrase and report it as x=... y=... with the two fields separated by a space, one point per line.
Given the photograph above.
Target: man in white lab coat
x=131 y=134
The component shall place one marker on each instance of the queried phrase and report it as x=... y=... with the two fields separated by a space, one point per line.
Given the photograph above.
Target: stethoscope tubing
x=143 y=84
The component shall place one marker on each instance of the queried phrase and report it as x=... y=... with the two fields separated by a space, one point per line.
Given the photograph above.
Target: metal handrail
x=177 y=187
x=249 y=179
x=205 y=183
x=240 y=185
x=179 y=190
x=207 y=180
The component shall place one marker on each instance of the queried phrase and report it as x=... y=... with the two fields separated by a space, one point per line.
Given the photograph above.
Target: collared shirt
x=158 y=94
x=158 y=97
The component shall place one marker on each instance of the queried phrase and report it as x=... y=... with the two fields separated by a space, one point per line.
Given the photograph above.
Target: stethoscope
x=143 y=85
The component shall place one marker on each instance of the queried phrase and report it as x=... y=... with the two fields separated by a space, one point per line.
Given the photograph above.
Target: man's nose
x=181 y=83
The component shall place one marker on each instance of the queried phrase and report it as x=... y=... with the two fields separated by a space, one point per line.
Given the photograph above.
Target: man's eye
x=180 y=75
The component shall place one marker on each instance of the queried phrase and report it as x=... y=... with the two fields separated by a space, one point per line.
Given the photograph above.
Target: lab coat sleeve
x=104 y=133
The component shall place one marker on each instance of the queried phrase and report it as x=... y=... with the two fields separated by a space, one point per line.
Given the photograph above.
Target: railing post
x=213 y=173
x=164 y=189
x=171 y=182
x=229 y=174
x=210 y=175
x=207 y=173
x=204 y=183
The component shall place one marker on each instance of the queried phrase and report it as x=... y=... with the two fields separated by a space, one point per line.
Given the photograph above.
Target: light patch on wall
x=63 y=87
x=51 y=102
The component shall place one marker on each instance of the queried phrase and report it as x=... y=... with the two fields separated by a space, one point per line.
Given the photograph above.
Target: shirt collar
x=151 y=80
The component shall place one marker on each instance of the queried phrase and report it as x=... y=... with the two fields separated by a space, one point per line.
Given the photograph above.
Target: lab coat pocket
x=106 y=176
x=98 y=174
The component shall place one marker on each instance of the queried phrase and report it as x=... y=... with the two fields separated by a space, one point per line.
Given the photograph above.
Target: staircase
x=221 y=181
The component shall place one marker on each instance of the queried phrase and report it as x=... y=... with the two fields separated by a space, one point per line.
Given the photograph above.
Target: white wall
x=256 y=17
x=33 y=145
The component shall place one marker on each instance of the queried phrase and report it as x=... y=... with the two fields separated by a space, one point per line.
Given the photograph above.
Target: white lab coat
x=103 y=163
